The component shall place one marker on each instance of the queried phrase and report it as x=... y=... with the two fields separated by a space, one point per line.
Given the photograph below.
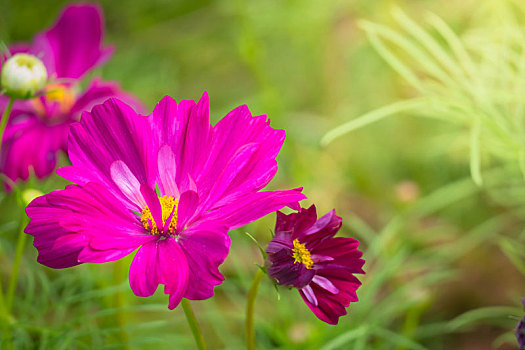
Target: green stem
x=13 y=279
x=5 y=337
x=5 y=117
x=252 y=294
x=5 y=317
x=194 y=325
x=119 y=274
x=412 y=320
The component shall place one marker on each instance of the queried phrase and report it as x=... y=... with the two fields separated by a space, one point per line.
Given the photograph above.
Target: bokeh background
x=445 y=256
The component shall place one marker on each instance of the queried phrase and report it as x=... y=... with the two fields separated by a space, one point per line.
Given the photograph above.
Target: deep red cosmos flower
x=304 y=254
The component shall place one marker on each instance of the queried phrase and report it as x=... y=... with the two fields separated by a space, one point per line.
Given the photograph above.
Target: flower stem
x=13 y=279
x=5 y=117
x=252 y=294
x=2 y=304
x=119 y=275
x=412 y=320
x=5 y=337
x=193 y=324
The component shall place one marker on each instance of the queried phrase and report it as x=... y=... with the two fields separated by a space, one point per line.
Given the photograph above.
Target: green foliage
x=310 y=65
x=474 y=82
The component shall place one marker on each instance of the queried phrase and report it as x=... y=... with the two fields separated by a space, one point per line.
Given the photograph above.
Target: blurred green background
x=444 y=264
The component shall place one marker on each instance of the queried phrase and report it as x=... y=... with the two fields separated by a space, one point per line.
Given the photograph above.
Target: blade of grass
x=371 y=117
x=475 y=158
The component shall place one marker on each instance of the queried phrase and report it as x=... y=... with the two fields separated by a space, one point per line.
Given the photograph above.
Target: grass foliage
x=444 y=248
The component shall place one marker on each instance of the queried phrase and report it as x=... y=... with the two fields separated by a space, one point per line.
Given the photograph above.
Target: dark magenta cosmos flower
x=168 y=183
x=520 y=330
x=38 y=128
x=305 y=255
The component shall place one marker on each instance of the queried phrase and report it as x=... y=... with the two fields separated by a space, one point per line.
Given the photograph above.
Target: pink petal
x=82 y=224
x=236 y=212
x=169 y=122
x=195 y=146
x=325 y=283
x=153 y=203
x=324 y=228
x=205 y=245
x=223 y=181
x=111 y=132
x=174 y=271
x=75 y=42
x=330 y=306
x=144 y=272
x=188 y=203
x=45 y=228
x=160 y=262
x=99 y=91
x=127 y=183
x=237 y=129
x=309 y=295
x=327 y=308
x=22 y=155
x=167 y=168
x=344 y=253
x=91 y=255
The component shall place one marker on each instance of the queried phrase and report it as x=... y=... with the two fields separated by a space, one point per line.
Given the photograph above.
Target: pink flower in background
x=305 y=255
x=38 y=128
x=168 y=184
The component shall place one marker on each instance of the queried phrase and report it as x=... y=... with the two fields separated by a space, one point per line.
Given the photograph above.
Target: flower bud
x=23 y=75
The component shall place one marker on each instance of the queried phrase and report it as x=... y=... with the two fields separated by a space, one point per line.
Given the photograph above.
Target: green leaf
x=371 y=117
x=261 y=249
x=475 y=158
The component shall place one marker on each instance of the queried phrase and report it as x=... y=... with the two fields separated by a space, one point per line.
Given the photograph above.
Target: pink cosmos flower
x=38 y=128
x=305 y=255
x=168 y=183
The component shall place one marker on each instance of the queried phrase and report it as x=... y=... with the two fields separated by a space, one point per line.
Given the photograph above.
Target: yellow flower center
x=301 y=254
x=167 y=204
x=56 y=93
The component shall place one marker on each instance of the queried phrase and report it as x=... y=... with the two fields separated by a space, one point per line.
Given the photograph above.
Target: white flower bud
x=23 y=75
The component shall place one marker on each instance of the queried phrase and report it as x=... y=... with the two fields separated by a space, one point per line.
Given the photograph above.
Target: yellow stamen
x=167 y=204
x=58 y=93
x=301 y=254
